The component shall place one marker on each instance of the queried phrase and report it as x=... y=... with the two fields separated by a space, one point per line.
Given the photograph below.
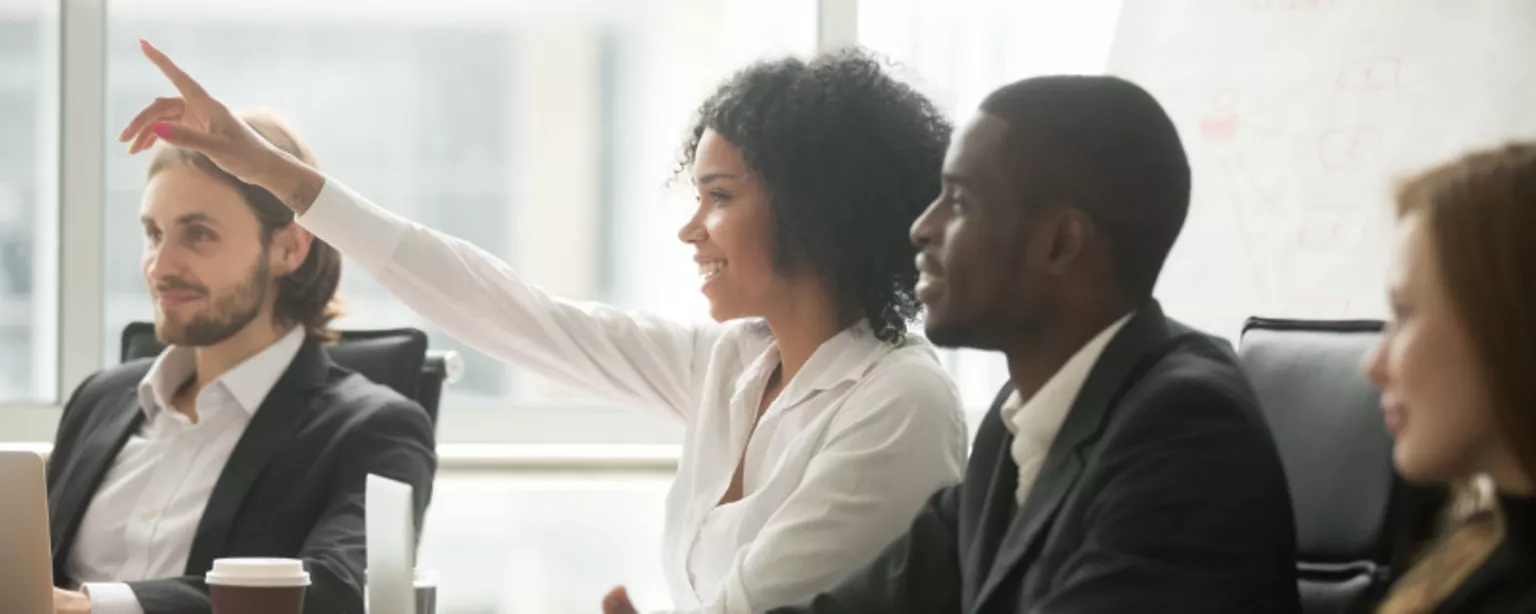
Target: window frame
x=82 y=128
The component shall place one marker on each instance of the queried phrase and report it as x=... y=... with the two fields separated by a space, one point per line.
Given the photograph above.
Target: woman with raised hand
x=815 y=424
x=1455 y=367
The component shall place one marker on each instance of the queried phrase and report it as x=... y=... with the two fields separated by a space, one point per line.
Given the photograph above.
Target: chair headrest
x=392 y=357
x=1327 y=423
x=139 y=342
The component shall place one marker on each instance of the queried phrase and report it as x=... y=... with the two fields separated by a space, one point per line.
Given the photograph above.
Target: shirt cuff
x=355 y=226
x=112 y=598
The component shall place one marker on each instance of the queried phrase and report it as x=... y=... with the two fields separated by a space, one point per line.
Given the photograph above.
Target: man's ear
x=290 y=247
x=1066 y=236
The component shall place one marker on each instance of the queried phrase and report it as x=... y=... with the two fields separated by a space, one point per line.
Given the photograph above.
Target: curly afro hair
x=850 y=158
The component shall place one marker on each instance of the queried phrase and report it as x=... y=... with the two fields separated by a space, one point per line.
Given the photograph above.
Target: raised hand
x=196 y=120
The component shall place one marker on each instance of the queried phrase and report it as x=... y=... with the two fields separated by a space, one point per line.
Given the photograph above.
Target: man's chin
x=944 y=334
x=170 y=334
x=173 y=331
x=947 y=331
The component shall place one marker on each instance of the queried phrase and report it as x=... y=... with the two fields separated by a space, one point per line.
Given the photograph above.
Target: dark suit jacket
x=1163 y=492
x=293 y=486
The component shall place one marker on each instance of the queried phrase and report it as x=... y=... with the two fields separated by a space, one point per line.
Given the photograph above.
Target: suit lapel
x=1056 y=477
x=286 y=408
x=95 y=458
x=998 y=506
x=1144 y=333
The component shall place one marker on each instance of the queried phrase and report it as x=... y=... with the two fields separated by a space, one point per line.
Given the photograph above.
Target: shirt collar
x=845 y=357
x=1041 y=416
x=248 y=382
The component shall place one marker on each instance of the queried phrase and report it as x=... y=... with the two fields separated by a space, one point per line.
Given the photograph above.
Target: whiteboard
x=1298 y=117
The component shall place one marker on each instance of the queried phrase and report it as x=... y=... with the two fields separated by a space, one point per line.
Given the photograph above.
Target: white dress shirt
x=141 y=522
x=837 y=467
x=1034 y=423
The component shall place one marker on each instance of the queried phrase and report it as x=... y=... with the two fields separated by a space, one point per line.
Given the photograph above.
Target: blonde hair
x=1471 y=526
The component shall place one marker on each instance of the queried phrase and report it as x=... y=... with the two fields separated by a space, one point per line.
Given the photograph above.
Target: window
x=29 y=119
x=960 y=51
x=544 y=132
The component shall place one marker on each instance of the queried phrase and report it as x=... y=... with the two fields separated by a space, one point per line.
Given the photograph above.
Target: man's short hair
x=1105 y=146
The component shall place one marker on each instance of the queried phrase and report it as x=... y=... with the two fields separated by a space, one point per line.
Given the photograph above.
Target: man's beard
x=227 y=315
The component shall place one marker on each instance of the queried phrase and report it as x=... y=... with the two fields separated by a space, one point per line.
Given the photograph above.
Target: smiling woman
x=833 y=160
x=1454 y=366
x=815 y=426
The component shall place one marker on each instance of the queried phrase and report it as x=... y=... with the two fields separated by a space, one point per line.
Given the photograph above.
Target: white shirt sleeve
x=896 y=442
x=633 y=358
x=112 y=598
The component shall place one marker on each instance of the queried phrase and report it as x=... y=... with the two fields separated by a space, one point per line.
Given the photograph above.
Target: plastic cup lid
x=258 y=573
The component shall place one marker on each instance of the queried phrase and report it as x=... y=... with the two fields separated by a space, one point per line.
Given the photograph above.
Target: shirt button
x=147 y=515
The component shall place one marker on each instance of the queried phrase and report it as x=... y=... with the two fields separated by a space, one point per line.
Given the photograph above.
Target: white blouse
x=838 y=465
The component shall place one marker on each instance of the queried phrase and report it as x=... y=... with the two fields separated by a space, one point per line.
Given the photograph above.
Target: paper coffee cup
x=257 y=586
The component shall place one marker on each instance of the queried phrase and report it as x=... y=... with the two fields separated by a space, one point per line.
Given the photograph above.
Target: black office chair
x=1338 y=457
x=397 y=358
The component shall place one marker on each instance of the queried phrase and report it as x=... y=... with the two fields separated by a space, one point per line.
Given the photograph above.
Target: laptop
x=26 y=569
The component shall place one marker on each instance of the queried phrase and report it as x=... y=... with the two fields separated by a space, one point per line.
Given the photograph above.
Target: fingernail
x=162 y=130
x=145 y=44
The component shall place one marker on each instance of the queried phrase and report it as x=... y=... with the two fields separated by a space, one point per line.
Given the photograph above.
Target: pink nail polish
x=162 y=130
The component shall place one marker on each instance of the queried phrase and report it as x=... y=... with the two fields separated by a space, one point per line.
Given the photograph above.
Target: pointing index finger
x=188 y=87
